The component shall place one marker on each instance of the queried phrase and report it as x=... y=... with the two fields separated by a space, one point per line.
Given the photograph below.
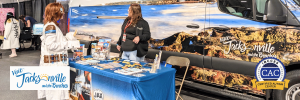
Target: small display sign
x=38 y=29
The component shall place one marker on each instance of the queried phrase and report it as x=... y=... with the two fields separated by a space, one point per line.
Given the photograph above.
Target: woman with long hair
x=135 y=35
x=54 y=47
x=11 y=34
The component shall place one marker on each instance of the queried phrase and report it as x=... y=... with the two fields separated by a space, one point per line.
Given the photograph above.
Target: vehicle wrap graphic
x=231 y=80
x=245 y=43
x=220 y=35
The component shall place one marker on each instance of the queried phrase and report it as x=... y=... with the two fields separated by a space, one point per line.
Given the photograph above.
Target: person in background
x=11 y=34
x=135 y=35
x=55 y=46
x=29 y=21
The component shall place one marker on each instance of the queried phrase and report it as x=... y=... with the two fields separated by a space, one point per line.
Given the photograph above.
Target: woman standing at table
x=135 y=35
x=54 y=47
x=11 y=35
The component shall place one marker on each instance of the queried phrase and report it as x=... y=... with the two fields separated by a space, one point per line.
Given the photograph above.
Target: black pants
x=36 y=41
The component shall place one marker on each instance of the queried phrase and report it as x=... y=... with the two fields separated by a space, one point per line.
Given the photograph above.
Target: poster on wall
x=3 y=14
x=81 y=87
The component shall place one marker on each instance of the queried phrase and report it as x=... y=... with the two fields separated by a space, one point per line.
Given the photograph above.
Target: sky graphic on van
x=235 y=22
x=119 y=10
x=164 y=20
x=88 y=15
x=293 y=7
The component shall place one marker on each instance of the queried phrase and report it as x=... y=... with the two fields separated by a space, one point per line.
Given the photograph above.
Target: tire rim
x=293 y=93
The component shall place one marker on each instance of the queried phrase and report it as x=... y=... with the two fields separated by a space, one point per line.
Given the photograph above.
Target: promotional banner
x=81 y=87
x=39 y=78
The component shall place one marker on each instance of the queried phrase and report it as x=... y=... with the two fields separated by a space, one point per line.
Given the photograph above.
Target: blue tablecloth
x=158 y=86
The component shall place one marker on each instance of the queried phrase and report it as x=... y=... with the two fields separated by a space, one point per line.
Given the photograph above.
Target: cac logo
x=98 y=95
x=270 y=74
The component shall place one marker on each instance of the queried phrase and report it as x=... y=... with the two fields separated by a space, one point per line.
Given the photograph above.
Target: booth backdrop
x=3 y=12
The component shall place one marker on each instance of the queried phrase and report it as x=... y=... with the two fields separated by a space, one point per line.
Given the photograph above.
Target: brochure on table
x=101 y=50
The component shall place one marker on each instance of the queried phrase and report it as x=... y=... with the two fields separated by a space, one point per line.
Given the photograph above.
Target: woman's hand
x=118 y=47
x=70 y=36
x=136 y=40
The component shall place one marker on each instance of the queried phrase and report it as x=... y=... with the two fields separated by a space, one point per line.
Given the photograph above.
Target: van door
x=247 y=34
x=292 y=46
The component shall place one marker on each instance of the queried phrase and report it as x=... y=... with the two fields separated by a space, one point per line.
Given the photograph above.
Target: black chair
x=25 y=37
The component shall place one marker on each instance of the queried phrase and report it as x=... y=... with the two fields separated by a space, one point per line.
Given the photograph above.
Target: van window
x=261 y=4
x=297 y=2
x=242 y=8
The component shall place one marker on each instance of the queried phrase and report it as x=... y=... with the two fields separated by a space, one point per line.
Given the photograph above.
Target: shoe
x=11 y=56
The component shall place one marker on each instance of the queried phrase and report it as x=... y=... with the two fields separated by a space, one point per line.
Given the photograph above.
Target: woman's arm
x=120 y=38
x=52 y=44
x=19 y=30
x=7 y=29
x=122 y=30
x=28 y=23
x=145 y=36
x=58 y=46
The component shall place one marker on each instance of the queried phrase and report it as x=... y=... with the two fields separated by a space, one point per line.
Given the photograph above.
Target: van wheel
x=291 y=93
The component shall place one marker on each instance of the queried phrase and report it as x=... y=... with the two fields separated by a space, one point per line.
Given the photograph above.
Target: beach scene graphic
x=164 y=20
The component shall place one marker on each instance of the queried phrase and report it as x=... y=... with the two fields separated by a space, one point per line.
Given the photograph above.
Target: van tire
x=294 y=77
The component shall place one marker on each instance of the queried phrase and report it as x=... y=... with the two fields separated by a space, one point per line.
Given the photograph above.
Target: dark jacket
x=143 y=31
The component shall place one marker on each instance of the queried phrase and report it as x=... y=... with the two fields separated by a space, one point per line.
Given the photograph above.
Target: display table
x=114 y=86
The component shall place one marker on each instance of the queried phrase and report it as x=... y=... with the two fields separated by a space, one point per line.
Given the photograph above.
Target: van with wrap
x=224 y=39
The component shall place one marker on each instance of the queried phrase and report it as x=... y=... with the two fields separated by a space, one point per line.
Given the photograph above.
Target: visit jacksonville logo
x=39 y=78
x=270 y=74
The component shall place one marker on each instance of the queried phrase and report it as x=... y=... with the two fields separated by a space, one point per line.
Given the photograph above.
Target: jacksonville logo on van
x=39 y=78
x=270 y=74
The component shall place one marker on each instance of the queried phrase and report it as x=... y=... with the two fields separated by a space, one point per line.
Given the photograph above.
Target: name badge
x=124 y=37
